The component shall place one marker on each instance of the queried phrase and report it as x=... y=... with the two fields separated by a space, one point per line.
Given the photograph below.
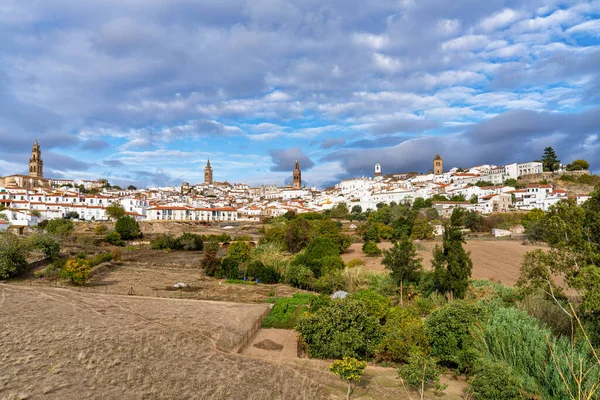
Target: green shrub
x=320 y=256
x=382 y=284
x=114 y=238
x=370 y=249
x=165 y=242
x=342 y=329
x=190 y=242
x=60 y=226
x=403 y=334
x=376 y=303
x=299 y=276
x=330 y=282
x=13 y=255
x=229 y=269
x=450 y=333
x=210 y=263
x=264 y=274
x=355 y=262
x=287 y=311
x=101 y=258
x=239 y=251
x=47 y=245
x=494 y=380
x=128 y=228
x=420 y=372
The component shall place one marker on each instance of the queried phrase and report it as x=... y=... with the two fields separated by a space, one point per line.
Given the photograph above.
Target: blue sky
x=145 y=91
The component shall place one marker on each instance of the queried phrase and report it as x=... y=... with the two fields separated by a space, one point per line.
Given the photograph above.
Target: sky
x=144 y=92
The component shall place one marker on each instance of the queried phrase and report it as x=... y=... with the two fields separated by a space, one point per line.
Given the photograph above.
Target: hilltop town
x=27 y=200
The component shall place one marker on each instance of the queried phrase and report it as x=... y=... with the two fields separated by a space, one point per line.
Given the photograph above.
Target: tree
x=403 y=334
x=472 y=220
x=13 y=255
x=76 y=270
x=131 y=187
x=422 y=230
x=47 y=245
x=421 y=371
x=3 y=217
x=370 y=249
x=239 y=251
x=356 y=209
x=115 y=211
x=60 y=226
x=458 y=216
x=344 y=328
x=350 y=370
x=340 y=211
x=550 y=162
x=298 y=234
x=72 y=215
x=128 y=228
x=404 y=264
x=474 y=199
x=452 y=265
x=578 y=165
x=114 y=238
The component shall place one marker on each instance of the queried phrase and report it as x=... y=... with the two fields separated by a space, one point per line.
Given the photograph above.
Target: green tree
x=370 y=249
x=452 y=265
x=72 y=215
x=60 y=226
x=403 y=263
x=47 y=245
x=356 y=209
x=578 y=165
x=128 y=228
x=239 y=251
x=474 y=199
x=114 y=238
x=13 y=255
x=421 y=371
x=298 y=234
x=403 y=334
x=131 y=187
x=115 y=211
x=321 y=252
x=340 y=211
x=344 y=328
x=458 y=217
x=450 y=331
x=422 y=230
x=550 y=161
x=473 y=220
x=350 y=370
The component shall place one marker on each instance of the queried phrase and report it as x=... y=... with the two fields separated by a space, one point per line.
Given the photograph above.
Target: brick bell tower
x=297 y=176
x=36 y=165
x=208 y=174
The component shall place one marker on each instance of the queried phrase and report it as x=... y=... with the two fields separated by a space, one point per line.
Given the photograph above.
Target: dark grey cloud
x=61 y=162
x=284 y=160
x=404 y=126
x=332 y=142
x=113 y=163
x=95 y=144
x=377 y=143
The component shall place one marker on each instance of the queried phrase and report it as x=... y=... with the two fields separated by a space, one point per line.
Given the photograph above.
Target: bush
x=370 y=249
x=330 y=282
x=494 y=380
x=287 y=311
x=60 y=226
x=165 y=242
x=13 y=255
x=299 y=276
x=376 y=303
x=403 y=334
x=128 y=228
x=190 y=242
x=76 y=270
x=383 y=284
x=355 y=262
x=345 y=328
x=114 y=238
x=320 y=256
x=450 y=333
x=47 y=245
x=264 y=274
x=420 y=372
x=100 y=258
x=239 y=251
x=210 y=263
x=100 y=230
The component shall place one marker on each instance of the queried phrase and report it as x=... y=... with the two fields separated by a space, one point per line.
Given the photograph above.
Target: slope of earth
x=61 y=344
x=497 y=260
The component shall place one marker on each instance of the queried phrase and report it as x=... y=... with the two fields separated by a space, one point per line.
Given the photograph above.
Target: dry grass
x=498 y=260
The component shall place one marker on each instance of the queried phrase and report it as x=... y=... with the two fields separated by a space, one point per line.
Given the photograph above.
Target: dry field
x=146 y=272
x=61 y=344
x=497 y=260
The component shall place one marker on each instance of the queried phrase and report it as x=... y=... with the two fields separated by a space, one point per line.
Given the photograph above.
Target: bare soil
x=497 y=260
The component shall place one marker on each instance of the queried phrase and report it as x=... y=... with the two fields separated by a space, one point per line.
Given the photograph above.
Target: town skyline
x=145 y=96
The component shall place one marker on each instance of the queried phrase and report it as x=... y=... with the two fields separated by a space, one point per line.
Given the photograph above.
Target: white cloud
x=512 y=51
x=448 y=26
x=500 y=20
x=387 y=63
x=588 y=27
x=466 y=43
x=370 y=40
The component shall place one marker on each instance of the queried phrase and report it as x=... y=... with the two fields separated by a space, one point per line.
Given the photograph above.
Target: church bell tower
x=297 y=176
x=36 y=165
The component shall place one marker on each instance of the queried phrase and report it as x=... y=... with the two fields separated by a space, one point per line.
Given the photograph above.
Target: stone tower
x=36 y=165
x=438 y=168
x=208 y=174
x=377 y=170
x=297 y=176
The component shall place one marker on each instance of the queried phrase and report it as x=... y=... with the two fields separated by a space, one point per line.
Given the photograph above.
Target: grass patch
x=240 y=282
x=286 y=311
x=131 y=248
